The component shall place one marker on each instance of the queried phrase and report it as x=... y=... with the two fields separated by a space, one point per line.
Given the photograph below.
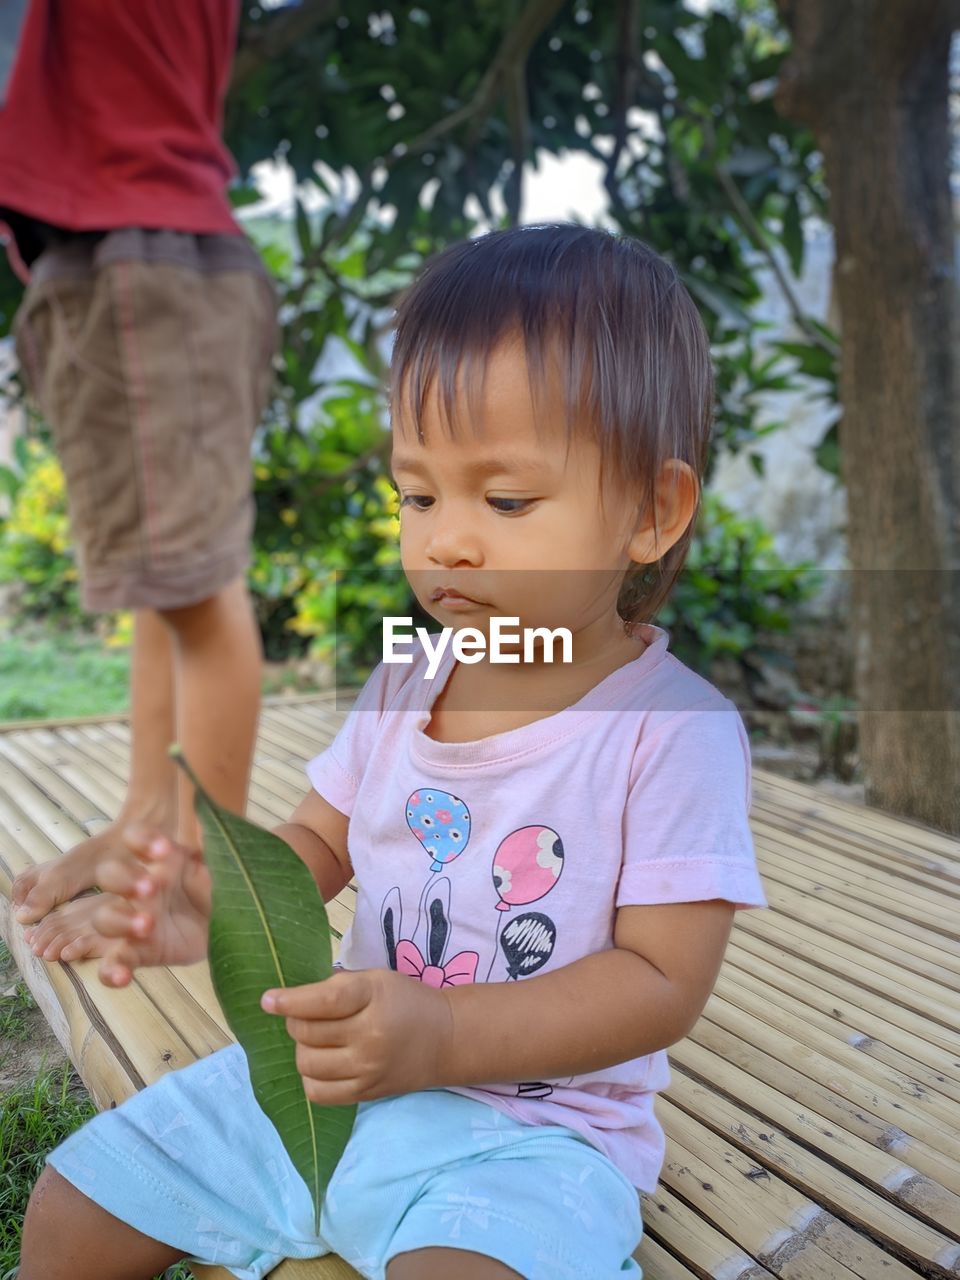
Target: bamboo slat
x=782 y=970
x=812 y=1116
x=859 y=826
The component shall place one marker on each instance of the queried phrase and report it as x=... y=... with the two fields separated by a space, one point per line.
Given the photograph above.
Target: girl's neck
x=482 y=699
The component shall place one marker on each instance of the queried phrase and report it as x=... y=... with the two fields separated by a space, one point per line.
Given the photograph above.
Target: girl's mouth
x=450 y=598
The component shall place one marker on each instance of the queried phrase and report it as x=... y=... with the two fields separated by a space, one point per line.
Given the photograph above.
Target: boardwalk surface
x=813 y=1119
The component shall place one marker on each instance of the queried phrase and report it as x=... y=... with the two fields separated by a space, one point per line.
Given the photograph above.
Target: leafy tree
x=427 y=109
x=431 y=112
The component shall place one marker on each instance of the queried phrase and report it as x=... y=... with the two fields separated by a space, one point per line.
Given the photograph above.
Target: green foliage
x=35 y=550
x=414 y=104
x=269 y=928
x=734 y=589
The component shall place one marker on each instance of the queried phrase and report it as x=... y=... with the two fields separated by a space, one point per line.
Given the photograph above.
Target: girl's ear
x=677 y=491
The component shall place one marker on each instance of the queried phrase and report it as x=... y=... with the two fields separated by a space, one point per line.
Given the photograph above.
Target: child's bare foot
x=36 y=891
x=67 y=932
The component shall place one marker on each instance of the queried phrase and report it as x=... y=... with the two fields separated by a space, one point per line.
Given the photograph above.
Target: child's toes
x=22 y=885
x=54 y=948
x=40 y=939
x=83 y=948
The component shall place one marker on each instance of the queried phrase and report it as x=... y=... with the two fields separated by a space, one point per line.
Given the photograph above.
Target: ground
x=27 y=1045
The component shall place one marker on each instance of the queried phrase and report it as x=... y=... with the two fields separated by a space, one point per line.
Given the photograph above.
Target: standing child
x=146 y=336
x=548 y=856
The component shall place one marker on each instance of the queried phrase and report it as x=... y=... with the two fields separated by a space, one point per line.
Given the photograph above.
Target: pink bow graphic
x=461 y=969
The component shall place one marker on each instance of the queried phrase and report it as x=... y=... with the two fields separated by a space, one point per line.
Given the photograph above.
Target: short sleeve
x=686 y=834
x=336 y=772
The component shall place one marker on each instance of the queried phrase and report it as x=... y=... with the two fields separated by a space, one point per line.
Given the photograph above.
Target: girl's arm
x=644 y=994
x=317 y=832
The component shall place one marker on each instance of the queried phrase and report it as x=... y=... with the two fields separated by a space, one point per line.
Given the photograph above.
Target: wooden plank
x=925 y=962
x=764 y=1152
x=834 y=1038
x=789 y=793
x=847 y=960
x=783 y=1229
x=322 y=698
x=805 y=808
x=860 y=1108
x=817 y=870
x=671 y=1223
x=50 y=784
x=840 y=997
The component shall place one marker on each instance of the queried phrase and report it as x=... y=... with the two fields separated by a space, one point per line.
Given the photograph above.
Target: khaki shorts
x=150 y=353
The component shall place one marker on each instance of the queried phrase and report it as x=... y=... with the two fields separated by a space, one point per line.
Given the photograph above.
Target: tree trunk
x=870 y=77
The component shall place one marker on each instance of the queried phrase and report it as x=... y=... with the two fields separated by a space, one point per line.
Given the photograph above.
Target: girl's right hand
x=161 y=912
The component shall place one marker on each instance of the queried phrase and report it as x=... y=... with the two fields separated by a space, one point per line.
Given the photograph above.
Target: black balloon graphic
x=527 y=942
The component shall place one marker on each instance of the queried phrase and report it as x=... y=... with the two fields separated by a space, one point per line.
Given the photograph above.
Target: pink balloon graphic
x=527 y=865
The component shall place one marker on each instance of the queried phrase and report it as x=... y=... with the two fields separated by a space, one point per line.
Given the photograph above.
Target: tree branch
x=518 y=120
x=753 y=229
x=514 y=47
x=264 y=43
x=629 y=27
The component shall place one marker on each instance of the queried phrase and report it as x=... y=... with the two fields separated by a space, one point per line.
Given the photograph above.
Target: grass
x=13 y=1024
x=47 y=673
x=51 y=674
x=35 y=1116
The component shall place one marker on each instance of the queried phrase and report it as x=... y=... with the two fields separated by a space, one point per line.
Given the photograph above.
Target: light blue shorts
x=192 y=1161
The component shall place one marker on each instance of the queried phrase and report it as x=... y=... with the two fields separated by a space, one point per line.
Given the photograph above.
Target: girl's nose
x=453 y=544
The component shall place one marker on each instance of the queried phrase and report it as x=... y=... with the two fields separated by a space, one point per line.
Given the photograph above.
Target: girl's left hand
x=365 y=1034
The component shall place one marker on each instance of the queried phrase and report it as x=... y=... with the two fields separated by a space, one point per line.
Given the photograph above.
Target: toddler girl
x=548 y=854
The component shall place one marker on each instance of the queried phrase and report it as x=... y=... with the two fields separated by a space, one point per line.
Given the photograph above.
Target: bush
x=734 y=590
x=35 y=551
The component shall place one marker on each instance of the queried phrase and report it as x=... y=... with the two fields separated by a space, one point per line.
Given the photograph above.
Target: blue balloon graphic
x=441 y=822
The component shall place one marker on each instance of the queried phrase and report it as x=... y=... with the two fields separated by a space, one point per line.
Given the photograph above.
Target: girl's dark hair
x=635 y=354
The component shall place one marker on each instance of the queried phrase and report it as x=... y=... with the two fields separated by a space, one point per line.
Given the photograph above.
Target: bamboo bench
x=813 y=1117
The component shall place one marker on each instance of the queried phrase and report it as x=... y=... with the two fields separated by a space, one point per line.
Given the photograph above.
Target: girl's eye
x=505 y=506
x=513 y=504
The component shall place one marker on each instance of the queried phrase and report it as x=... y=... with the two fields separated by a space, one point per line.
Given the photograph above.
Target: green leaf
x=302 y=222
x=792 y=235
x=269 y=928
x=10 y=482
x=827 y=452
x=813 y=360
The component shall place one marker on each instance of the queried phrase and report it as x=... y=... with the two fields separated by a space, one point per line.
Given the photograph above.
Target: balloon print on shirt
x=441 y=822
x=527 y=943
x=405 y=956
x=526 y=866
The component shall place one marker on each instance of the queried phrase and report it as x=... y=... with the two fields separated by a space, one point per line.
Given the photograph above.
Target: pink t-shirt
x=495 y=860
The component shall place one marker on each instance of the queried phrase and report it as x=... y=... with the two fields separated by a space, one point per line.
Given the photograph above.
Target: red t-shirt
x=113 y=115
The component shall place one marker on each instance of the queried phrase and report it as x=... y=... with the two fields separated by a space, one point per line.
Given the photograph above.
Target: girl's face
x=514 y=522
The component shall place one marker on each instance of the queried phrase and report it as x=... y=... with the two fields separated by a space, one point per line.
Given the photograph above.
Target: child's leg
x=190 y=1160
x=151 y=793
x=218 y=663
x=68 y=1237
x=214 y=647
x=440 y=1264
